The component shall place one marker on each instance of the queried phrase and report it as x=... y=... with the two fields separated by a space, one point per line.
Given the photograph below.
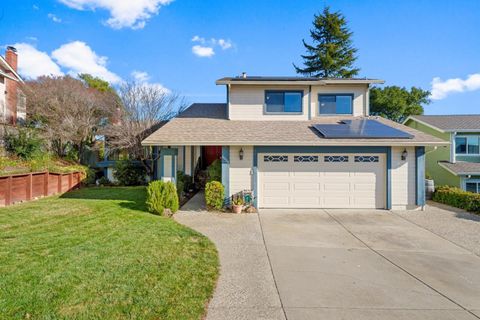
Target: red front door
x=212 y=153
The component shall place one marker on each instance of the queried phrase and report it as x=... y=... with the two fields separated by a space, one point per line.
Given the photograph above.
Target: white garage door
x=321 y=180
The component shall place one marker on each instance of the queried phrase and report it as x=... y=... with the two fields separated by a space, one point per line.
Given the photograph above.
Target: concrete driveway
x=353 y=264
x=335 y=264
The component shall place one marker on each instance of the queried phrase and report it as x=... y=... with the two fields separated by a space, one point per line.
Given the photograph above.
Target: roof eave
x=7 y=65
x=152 y=142
x=424 y=123
x=295 y=82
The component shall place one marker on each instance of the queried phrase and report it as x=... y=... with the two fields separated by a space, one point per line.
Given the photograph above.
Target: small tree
x=331 y=54
x=397 y=103
x=144 y=109
x=160 y=196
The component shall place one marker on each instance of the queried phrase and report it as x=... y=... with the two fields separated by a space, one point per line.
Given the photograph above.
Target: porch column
x=420 y=175
x=226 y=172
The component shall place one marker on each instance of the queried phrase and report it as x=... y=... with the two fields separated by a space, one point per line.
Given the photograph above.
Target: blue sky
x=406 y=43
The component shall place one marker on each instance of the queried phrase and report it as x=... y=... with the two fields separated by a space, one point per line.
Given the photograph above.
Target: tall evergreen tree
x=331 y=55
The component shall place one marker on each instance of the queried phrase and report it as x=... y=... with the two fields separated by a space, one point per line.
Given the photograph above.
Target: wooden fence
x=27 y=186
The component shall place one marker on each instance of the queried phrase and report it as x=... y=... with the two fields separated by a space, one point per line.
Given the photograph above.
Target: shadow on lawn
x=132 y=198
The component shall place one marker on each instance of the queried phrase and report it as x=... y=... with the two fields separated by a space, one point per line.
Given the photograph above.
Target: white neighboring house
x=298 y=142
x=12 y=100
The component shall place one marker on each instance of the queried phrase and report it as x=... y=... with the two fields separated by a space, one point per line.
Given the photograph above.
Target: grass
x=96 y=254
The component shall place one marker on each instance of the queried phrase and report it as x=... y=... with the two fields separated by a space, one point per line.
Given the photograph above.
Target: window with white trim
x=329 y=104
x=472 y=186
x=277 y=101
x=465 y=145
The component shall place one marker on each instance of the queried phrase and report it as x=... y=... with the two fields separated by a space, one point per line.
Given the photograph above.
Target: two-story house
x=299 y=143
x=457 y=164
x=12 y=100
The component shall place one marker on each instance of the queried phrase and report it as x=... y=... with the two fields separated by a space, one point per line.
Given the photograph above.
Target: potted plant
x=237 y=205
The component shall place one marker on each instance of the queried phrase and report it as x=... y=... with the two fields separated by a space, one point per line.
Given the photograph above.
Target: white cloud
x=441 y=89
x=140 y=76
x=206 y=47
x=33 y=63
x=202 y=51
x=123 y=13
x=225 y=44
x=78 y=57
x=54 y=18
x=198 y=39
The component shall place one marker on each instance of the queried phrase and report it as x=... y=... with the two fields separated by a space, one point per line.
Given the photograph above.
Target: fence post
x=59 y=183
x=45 y=184
x=29 y=179
x=70 y=181
x=8 y=192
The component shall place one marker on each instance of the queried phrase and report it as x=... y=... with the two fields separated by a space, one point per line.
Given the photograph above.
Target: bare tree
x=145 y=108
x=68 y=112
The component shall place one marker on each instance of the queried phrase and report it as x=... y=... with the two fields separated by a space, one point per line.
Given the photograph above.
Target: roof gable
x=449 y=123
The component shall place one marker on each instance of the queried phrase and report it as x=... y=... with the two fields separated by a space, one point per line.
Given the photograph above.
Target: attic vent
x=244 y=75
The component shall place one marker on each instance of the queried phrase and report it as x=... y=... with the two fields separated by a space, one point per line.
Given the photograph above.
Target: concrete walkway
x=335 y=264
x=245 y=289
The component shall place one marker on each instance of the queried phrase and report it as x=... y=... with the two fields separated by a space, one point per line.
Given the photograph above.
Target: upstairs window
x=467 y=145
x=283 y=101
x=335 y=104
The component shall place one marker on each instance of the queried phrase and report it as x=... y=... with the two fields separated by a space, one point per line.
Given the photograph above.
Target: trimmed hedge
x=160 y=196
x=214 y=195
x=458 y=198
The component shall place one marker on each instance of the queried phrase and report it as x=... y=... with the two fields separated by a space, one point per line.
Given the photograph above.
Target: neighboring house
x=299 y=143
x=12 y=100
x=457 y=164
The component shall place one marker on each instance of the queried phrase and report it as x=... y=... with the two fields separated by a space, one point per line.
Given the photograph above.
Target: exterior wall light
x=404 y=155
x=240 y=154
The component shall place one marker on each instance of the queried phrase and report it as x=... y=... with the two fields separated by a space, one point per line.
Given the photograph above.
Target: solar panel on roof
x=360 y=129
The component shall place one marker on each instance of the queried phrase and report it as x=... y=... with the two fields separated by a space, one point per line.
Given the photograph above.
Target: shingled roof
x=207 y=124
x=451 y=123
x=461 y=167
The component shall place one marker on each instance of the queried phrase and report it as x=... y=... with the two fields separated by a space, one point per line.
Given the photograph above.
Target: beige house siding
x=403 y=179
x=246 y=102
x=188 y=162
x=240 y=174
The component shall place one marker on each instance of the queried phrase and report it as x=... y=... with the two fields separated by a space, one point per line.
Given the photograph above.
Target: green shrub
x=90 y=176
x=180 y=187
x=160 y=196
x=458 y=198
x=214 y=195
x=214 y=171
x=103 y=181
x=128 y=173
x=184 y=181
x=25 y=144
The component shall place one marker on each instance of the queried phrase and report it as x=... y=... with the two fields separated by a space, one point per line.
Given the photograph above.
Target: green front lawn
x=96 y=254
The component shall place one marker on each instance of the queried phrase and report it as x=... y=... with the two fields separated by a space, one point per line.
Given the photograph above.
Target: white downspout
x=452 y=147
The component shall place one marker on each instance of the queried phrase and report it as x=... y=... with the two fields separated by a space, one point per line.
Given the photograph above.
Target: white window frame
x=466 y=154
x=477 y=181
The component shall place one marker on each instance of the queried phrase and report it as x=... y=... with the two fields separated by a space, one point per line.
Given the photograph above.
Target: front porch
x=191 y=160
